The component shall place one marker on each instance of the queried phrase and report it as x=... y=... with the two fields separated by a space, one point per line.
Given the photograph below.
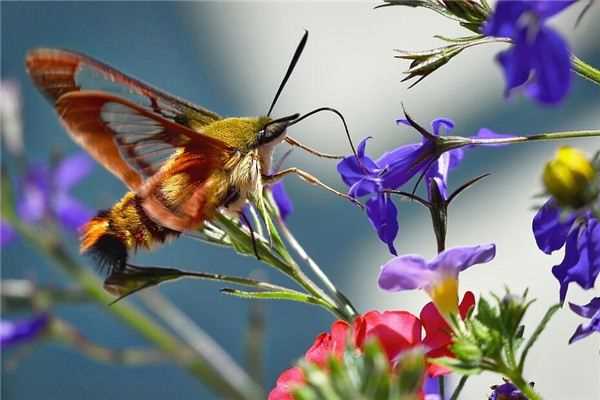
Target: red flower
x=397 y=331
x=437 y=332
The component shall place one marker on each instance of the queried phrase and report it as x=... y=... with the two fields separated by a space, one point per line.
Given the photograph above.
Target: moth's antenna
x=336 y=112
x=290 y=69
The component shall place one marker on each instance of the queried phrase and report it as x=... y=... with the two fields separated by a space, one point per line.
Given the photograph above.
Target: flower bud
x=569 y=177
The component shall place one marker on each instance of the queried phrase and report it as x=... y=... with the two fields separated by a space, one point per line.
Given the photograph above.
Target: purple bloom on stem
x=506 y=391
x=15 y=332
x=439 y=277
x=45 y=193
x=538 y=54
x=590 y=311
x=7 y=233
x=579 y=232
x=367 y=177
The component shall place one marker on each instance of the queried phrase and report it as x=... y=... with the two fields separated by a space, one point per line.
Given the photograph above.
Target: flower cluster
x=396 y=331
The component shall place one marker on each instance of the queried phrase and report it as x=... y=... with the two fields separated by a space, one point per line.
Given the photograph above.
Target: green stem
x=585 y=70
x=459 y=387
x=343 y=303
x=534 y=138
x=524 y=387
x=200 y=366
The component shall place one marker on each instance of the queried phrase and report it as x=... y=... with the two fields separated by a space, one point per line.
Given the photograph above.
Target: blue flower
x=15 y=332
x=506 y=391
x=579 y=233
x=538 y=54
x=367 y=177
x=590 y=311
x=45 y=194
x=438 y=277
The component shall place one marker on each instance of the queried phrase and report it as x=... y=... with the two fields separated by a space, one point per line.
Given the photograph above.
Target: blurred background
x=230 y=58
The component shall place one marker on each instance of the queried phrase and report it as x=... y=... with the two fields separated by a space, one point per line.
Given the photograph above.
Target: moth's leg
x=293 y=142
x=249 y=225
x=305 y=176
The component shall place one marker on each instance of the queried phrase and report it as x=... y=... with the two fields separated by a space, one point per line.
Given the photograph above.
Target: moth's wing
x=128 y=139
x=57 y=72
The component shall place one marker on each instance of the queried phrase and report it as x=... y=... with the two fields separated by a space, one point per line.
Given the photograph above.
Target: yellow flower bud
x=568 y=177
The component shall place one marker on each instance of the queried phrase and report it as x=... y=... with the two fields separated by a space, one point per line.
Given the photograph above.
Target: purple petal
x=438 y=123
x=14 y=332
x=7 y=233
x=35 y=194
x=353 y=170
x=550 y=228
x=283 y=201
x=383 y=216
x=546 y=9
x=438 y=174
x=588 y=310
x=457 y=259
x=405 y=273
x=552 y=63
x=503 y=20
x=404 y=163
x=365 y=186
x=398 y=154
x=506 y=391
x=72 y=169
x=456 y=157
x=431 y=387
x=70 y=212
x=581 y=263
x=516 y=62
x=585 y=331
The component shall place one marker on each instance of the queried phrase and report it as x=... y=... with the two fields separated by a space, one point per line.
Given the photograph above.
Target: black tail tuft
x=109 y=252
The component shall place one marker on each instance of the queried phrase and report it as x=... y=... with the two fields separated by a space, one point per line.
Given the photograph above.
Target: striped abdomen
x=110 y=235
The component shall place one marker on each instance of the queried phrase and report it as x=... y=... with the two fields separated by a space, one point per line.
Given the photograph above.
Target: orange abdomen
x=110 y=235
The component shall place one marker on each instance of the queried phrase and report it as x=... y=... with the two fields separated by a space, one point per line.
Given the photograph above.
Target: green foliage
x=490 y=339
x=363 y=375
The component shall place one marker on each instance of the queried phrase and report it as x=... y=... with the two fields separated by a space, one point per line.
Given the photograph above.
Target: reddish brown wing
x=57 y=72
x=145 y=150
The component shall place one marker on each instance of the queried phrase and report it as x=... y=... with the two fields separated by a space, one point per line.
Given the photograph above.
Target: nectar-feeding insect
x=181 y=162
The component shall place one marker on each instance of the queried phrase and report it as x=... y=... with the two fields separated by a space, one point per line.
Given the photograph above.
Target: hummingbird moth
x=181 y=162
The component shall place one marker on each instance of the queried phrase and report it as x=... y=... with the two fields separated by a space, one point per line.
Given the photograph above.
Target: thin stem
x=342 y=301
x=195 y=361
x=535 y=138
x=442 y=387
x=193 y=335
x=585 y=70
x=459 y=387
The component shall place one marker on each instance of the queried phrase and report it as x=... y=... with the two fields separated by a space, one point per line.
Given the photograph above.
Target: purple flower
x=590 y=311
x=45 y=194
x=439 y=277
x=367 y=177
x=506 y=391
x=15 y=332
x=431 y=388
x=579 y=232
x=538 y=54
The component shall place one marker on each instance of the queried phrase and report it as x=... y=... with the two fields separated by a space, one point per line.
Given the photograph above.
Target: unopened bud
x=569 y=177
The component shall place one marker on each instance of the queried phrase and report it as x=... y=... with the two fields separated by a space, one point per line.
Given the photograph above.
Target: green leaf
x=287 y=294
x=132 y=279
x=536 y=333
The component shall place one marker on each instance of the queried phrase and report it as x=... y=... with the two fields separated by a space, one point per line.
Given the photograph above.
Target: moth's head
x=273 y=131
